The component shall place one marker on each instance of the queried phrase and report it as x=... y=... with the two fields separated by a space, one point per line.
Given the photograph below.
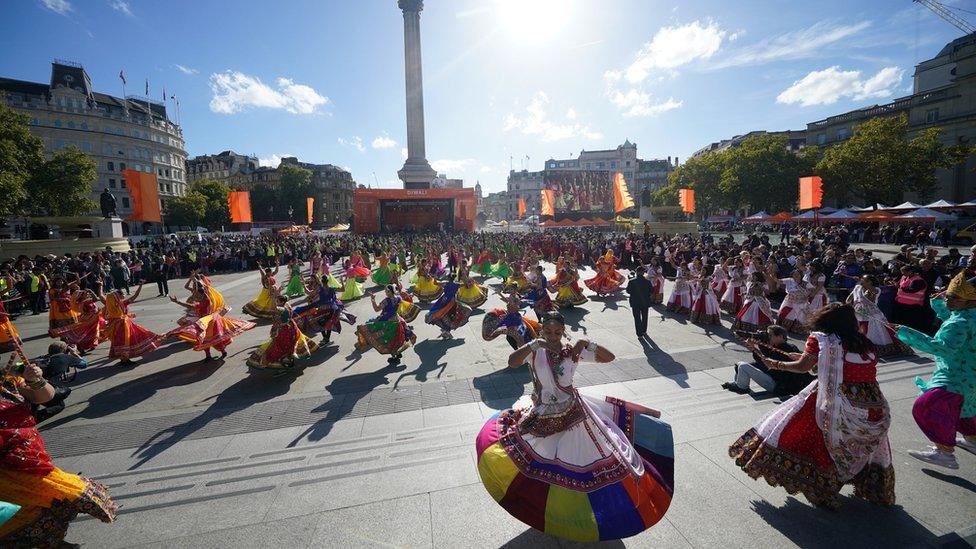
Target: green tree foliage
x=215 y=193
x=703 y=174
x=188 y=210
x=62 y=185
x=762 y=173
x=296 y=186
x=21 y=153
x=263 y=203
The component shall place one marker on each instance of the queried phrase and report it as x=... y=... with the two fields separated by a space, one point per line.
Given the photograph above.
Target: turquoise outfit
x=954 y=349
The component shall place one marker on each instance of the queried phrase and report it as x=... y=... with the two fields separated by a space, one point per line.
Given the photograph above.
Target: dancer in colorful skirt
x=511 y=323
x=471 y=293
x=387 y=333
x=872 y=322
x=43 y=499
x=756 y=312
x=447 y=313
x=295 y=286
x=538 y=295
x=680 y=300
x=436 y=268
x=212 y=330
x=947 y=404
x=61 y=312
x=324 y=312
x=655 y=274
x=86 y=333
x=384 y=273
x=566 y=286
x=834 y=432
x=263 y=306
x=704 y=305
x=482 y=264
x=353 y=289
x=287 y=343
x=817 y=281
x=128 y=339
x=408 y=310
x=357 y=266
x=425 y=287
x=9 y=338
x=720 y=278
x=517 y=282
x=732 y=299
x=502 y=269
x=571 y=465
x=607 y=279
x=795 y=309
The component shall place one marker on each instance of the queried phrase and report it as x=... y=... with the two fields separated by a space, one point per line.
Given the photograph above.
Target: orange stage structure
x=418 y=210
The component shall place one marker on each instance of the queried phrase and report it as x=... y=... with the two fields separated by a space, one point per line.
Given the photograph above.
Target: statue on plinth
x=107 y=202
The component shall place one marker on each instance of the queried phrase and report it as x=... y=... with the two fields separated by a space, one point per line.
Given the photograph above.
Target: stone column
x=416 y=172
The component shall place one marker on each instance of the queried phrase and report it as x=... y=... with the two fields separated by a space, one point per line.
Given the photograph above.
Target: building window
x=931 y=116
x=111 y=183
x=121 y=166
x=57 y=123
x=84 y=125
x=111 y=166
x=121 y=183
x=160 y=171
x=86 y=146
x=843 y=133
x=613 y=165
x=821 y=138
x=125 y=202
x=628 y=163
x=167 y=172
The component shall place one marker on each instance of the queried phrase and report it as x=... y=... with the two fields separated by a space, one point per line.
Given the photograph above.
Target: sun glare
x=533 y=21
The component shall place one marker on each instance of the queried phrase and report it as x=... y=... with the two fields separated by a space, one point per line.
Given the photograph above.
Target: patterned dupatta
x=851 y=437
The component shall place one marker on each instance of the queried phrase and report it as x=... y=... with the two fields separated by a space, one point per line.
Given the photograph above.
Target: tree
x=762 y=173
x=21 y=153
x=215 y=193
x=188 y=210
x=296 y=186
x=926 y=153
x=62 y=185
x=703 y=174
x=263 y=203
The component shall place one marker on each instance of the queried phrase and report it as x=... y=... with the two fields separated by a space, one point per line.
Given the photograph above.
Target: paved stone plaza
x=354 y=452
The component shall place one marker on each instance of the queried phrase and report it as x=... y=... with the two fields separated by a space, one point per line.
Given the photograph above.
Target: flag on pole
x=144 y=192
x=621 y=195
x=239 y=206
x=521 y=208
x=122 y=76
x=309 y=205
x=147 y=88
x=547 y=203
x=686 y=198
x=811 y=192
x=164 y=93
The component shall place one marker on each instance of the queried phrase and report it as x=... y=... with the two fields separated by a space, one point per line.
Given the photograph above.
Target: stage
x=413 y=210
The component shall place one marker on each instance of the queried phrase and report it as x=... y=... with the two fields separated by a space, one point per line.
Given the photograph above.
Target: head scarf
x=962 y=287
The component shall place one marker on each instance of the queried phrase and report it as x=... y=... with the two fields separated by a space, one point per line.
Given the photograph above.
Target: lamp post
x=290 y=212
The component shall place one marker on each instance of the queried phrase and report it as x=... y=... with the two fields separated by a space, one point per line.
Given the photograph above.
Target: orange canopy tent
x=877 y=215
x=295 y=229
x=780 y=217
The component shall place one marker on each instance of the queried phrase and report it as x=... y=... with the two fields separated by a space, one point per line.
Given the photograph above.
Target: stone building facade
x=118 y=133
x=220 y=167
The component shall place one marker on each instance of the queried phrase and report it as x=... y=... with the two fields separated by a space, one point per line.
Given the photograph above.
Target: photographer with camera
x=771 y=343
x=57 y=367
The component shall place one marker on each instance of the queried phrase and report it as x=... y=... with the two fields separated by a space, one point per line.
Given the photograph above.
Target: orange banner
x=547 y=203
x=309 y=205
x=144 y=191
x=811 y=192
x=621 y=195
x=239 y=205
x=686 y=198
x=521 y=208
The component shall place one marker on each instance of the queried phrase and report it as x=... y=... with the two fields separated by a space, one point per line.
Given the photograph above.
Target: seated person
x=61 y=357
x=779 y=382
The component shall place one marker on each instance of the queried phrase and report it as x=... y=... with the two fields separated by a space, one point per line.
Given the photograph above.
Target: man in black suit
x=639 y=290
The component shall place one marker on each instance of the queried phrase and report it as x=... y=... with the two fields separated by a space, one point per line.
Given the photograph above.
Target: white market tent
x=941 y=204
x=810 y=216
x=756 y=217
x=841 y=216
x=827 y=210
x=970 y=204
x=878 y=206
x=905 y=206
x=924 y=215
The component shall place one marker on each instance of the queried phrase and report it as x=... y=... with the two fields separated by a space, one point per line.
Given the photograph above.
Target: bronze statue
x=107 y=201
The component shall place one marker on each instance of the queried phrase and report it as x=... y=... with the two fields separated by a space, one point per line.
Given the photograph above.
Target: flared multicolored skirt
x=516 y=338
x=570 y=495
x=473 y=296
x=214 y=330
x=383 y=275
x=84 y=334
x=451 y=319
x=280 y=353
x=388 y=337
x=567 y=297
x=295 y=286
x=408 y=311
x=128 y=339
x=427 y=290
x=603 y=284
x=262 y=306
x=352 y=291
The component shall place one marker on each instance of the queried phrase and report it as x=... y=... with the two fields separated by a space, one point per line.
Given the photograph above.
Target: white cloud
x=826 y=87
x=384 y=142
x=60 y=7
x=185 y=70
x=449 y=166
x=404 y=153
x=798 y=44
x=356 y=142
x=672 y=47
x=121 y=6
x=486 y=169
x=635 y=102
x=235 y=91
x=571 y=113
x=536 y=121
x=273 y=160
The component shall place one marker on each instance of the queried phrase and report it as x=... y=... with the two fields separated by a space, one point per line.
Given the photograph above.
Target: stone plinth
x=416 y=172
x=109 y=227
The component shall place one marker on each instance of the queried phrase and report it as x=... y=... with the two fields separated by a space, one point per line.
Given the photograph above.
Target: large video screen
x=579 y=194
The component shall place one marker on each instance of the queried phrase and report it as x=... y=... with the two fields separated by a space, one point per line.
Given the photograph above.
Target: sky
x=507 y=83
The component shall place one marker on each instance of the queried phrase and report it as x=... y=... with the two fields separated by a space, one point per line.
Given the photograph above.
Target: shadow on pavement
x=240 y=396
x=663 y=363
x=430 y=352
x=951 y=479
x=501 y=388
x=536 y=539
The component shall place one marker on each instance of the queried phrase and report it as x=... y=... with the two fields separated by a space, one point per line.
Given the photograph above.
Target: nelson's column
x=416 y=172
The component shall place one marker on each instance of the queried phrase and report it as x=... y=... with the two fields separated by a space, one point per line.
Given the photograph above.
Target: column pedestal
x=110 y=227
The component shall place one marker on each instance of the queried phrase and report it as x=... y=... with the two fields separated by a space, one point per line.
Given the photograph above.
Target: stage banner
x=521 y=208
x=239 y=206
x=547 y=206
x=309 y=205
x=686 y=198
x=811 y=192
x=580 y=194
x=144 y=192
x=621 y=195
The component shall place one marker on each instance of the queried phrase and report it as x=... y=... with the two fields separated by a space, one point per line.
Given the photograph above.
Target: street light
x=290 y=212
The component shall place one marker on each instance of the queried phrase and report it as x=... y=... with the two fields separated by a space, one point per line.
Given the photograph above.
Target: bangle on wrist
x=534 y=345
x=592 y=346
x=36 y=384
